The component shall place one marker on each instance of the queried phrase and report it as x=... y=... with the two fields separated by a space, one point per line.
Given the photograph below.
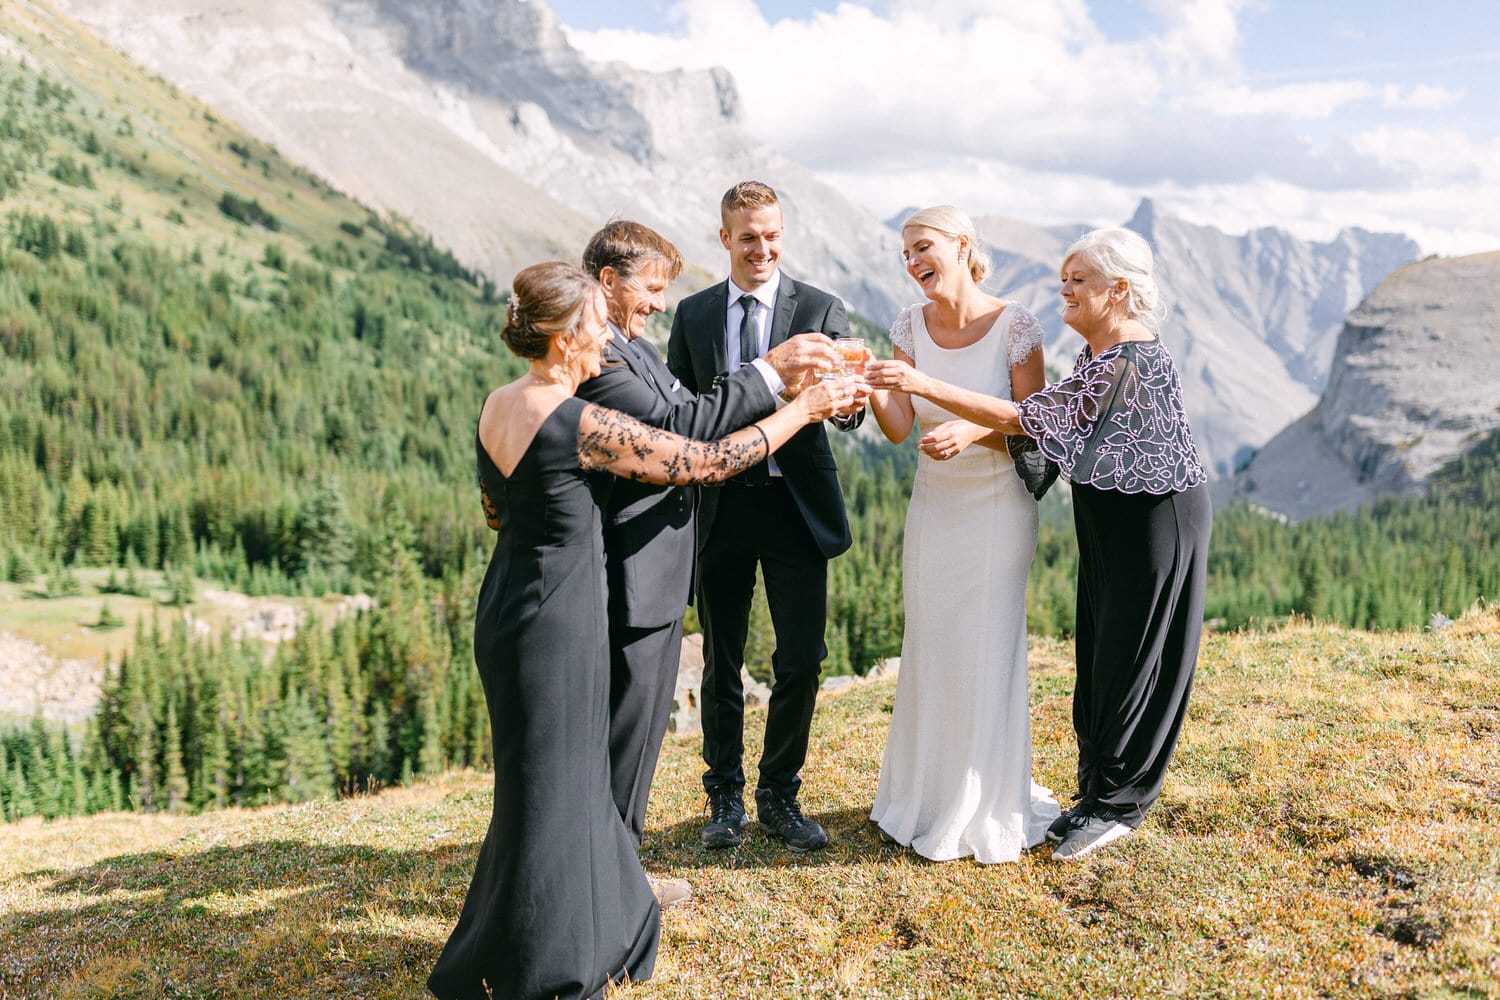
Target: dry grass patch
x=1331 y=827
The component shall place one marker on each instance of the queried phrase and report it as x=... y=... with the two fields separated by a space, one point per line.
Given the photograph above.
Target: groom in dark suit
x=648 y=529
x=786 y=515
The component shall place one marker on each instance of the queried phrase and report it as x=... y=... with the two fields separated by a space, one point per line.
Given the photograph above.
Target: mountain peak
x=1144 y=219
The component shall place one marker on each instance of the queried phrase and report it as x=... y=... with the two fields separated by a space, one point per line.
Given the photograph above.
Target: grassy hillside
x=1331 y=827
x=221 y=380
x=208 y=356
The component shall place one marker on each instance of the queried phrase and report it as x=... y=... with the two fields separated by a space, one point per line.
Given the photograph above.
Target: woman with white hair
x=955 y=780
x=1117 y=428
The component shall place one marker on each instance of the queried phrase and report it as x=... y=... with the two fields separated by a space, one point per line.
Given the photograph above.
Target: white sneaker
x=1099 y=830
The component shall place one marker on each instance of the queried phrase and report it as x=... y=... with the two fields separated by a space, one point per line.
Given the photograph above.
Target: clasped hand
x=949 y=438
x=839 y=397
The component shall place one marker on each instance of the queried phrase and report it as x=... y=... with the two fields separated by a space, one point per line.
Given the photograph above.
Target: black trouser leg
x=726 y=581
x=643 y=669
x=1148 y=567
x=796 y=578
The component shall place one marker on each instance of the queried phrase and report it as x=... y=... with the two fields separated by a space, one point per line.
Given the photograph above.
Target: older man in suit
x=649 y=530
x=785 y=515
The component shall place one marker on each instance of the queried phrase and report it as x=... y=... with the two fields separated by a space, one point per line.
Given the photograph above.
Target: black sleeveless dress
x=558 y=906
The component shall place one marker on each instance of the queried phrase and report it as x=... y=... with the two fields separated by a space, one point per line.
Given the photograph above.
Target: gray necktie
x=749 y=349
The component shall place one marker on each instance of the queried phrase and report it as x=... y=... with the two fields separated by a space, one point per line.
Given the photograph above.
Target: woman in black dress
x=559 y=906
x=1117 y=429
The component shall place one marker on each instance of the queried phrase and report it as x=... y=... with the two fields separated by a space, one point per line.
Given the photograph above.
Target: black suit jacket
x=696 y=354
x=649 y=539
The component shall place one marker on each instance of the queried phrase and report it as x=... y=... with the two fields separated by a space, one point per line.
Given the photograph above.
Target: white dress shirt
x=765 y=298
x=765 y=305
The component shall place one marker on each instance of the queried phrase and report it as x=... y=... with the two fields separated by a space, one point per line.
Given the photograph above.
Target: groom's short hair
x=628 y=246
x=746 y=194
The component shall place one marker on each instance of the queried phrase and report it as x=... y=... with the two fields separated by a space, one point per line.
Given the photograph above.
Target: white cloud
x=1295 y=101
x=1443 y=157
x=1315 y=100
x=1027 y=108
x=1200 y=33
x=1424 y=97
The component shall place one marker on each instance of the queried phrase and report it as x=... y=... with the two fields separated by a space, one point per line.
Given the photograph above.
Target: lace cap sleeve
x=901 y=336
x=1025 y=336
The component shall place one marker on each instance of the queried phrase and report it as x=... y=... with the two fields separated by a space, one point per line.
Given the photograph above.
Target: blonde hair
x=546 y=299
x=746 y=194
x=951 y=222
x=1121 y=254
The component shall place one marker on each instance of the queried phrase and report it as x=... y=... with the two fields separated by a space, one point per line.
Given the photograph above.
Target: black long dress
x=558 y=906
x=1117 y=428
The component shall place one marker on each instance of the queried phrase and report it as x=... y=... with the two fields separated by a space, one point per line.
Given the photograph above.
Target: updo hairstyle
x=1121 y=253
x=951 y=222
x=546 y=299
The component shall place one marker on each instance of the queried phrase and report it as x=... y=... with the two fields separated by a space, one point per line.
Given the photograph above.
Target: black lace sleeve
x=1061 y=417
x=620 y=444
x=1118 y=422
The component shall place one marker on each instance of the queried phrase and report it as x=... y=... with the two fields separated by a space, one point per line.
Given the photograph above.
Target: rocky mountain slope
x=1415 y=382
x=477 y=121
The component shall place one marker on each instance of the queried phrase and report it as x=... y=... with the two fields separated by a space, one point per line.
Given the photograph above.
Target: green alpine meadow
x=1330 y=827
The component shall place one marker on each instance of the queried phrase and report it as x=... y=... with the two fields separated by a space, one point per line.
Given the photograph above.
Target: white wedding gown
x=956 y=777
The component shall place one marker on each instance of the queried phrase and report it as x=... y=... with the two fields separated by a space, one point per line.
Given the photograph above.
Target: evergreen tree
x=175 y=781
x=324 y=533
x=19 y=803
x=40 y=776
x=176 y=539
x=306 y=771
x=430 y=755
x=144 y=775
x=216 y=759
x=182 y=587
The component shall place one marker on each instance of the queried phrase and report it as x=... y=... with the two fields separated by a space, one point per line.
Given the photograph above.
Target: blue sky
x=1239 y=113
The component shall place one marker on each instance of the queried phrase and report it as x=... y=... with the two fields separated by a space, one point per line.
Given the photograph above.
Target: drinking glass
x=852 y=353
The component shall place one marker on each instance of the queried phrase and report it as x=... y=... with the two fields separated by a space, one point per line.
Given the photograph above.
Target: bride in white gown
x=956 y=778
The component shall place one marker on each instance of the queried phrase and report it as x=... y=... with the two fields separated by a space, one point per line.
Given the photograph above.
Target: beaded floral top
x=1118 y=423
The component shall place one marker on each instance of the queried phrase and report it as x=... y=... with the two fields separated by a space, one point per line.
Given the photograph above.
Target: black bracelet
x=763 y=438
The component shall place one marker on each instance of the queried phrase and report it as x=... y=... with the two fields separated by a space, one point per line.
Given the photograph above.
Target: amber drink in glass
x=852 y=353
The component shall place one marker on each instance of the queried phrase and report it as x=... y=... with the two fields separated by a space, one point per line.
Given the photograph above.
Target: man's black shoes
x=781 y=817
x=726 y=818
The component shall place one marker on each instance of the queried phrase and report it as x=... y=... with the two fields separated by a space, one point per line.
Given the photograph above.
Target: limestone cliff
x=1415 y=382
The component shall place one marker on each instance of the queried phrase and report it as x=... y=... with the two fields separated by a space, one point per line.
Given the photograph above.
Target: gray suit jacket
x=649 y=545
